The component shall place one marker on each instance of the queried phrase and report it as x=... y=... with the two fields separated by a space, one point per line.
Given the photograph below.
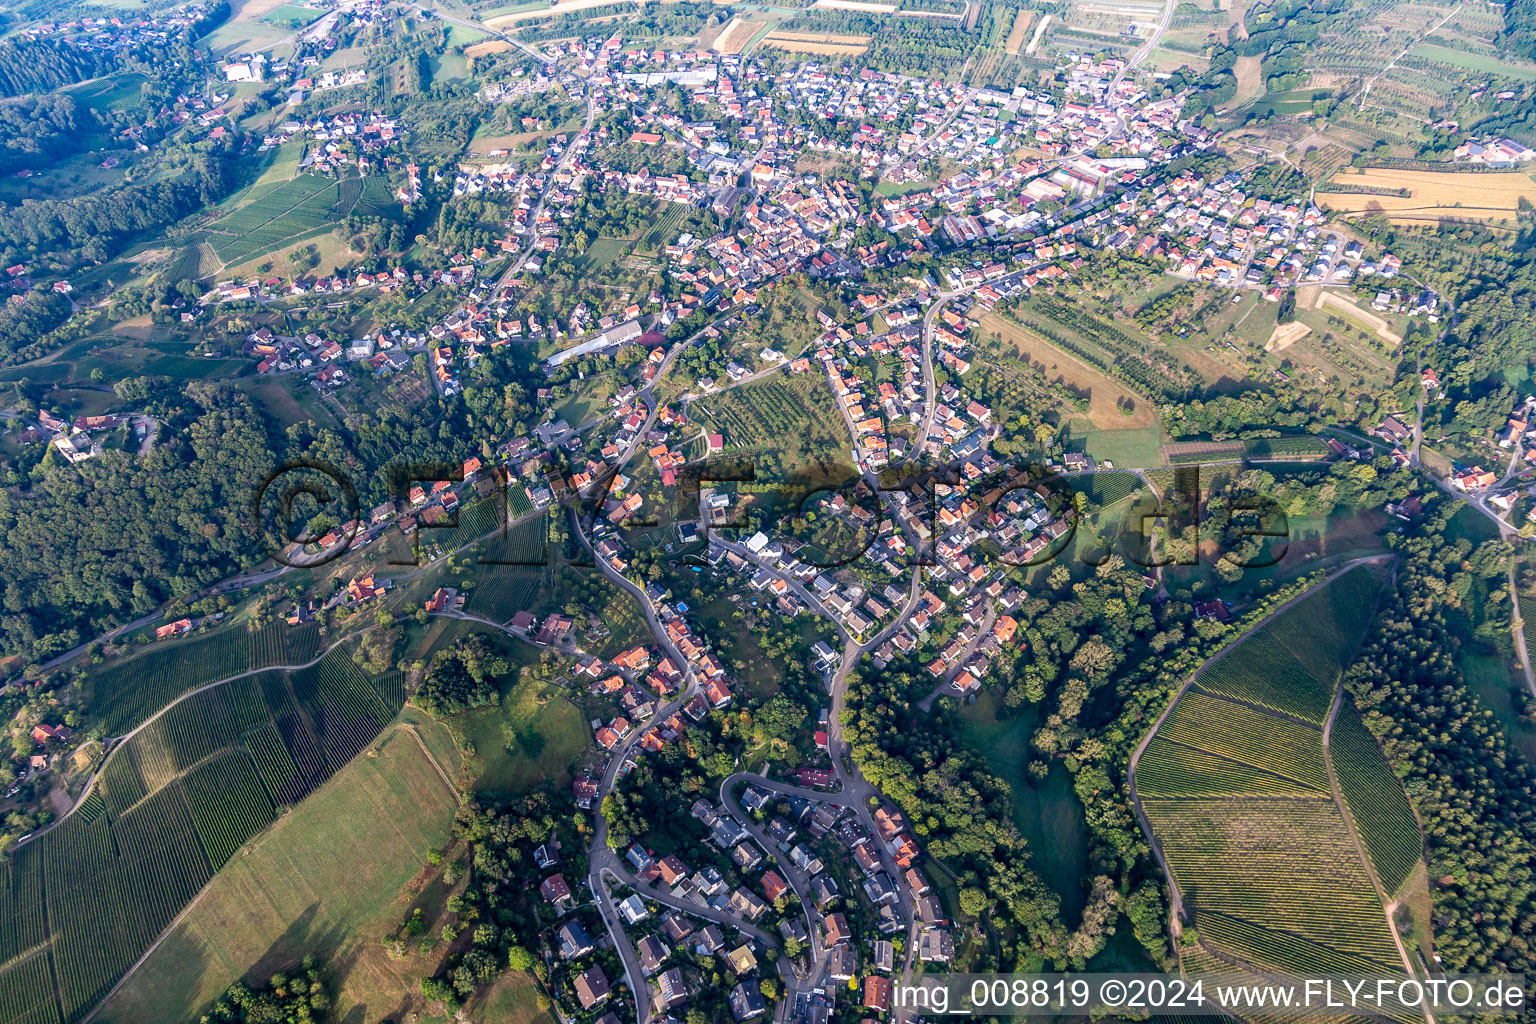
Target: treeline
x=1282 y=41
x=1475 y=796
x=43 y=65
x=36 y=130
x=98 y=225
x=1520 y=28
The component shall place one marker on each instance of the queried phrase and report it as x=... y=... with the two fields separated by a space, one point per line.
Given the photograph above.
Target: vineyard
x=172 y=804
x=503 y=591
x=1170 y=769
x=770 y=411
x=1235 y=785
x=1106 y=489
x=1109 y=348
x=281 y=214
x=1376 y=800
x=131 y=690
x=1281 y=865
x=1239 y=733
x=1298 y=446
x=1291 y=664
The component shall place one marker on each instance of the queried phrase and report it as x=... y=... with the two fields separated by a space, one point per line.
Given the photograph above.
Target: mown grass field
x=331 y=877
x=532 y=738
x=1501 y=65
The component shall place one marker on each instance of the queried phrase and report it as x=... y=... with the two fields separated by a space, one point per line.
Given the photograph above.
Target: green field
x=533 y=737
x=1048 y=814
x=1236 y=787
x=293 y=15
x=1501 y=66
x=1296 y=101
x=328 y=878
x=1127 y=448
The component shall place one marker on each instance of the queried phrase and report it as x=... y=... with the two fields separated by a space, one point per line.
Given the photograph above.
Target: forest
x=98 y=225
x=1474 y=795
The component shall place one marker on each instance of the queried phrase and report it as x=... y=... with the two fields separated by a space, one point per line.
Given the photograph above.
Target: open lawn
x=1047 y=813
x=292 y=15
x=1491 y=678
x=244 y=36
x=331 y=877
x=1127 y=447
x=533 y=737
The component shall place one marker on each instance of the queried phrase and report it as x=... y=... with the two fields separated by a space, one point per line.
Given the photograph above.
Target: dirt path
x=453 y=789
x=1517 y=627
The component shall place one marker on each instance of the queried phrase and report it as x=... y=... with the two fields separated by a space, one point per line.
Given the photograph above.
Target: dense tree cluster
x=95 y=544
x=98 y=224
x=295 y=998
x=25 y=321
x=45 y=64
x=37 y=129
x=463 y=676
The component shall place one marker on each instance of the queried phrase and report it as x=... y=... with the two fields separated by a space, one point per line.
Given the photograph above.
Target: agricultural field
x=1291 y=664
x=179 y=797
x=127 y=690
x=1237 y=787
x=524 y=12
x=330 y=877
x=737 y=35
x=821 y=43
x=1500 y=64
x=1107 y=398
x=1376 y=800
x=273 y=217
x=1432 y=196
x=1107 y=489
x=1296 y=446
